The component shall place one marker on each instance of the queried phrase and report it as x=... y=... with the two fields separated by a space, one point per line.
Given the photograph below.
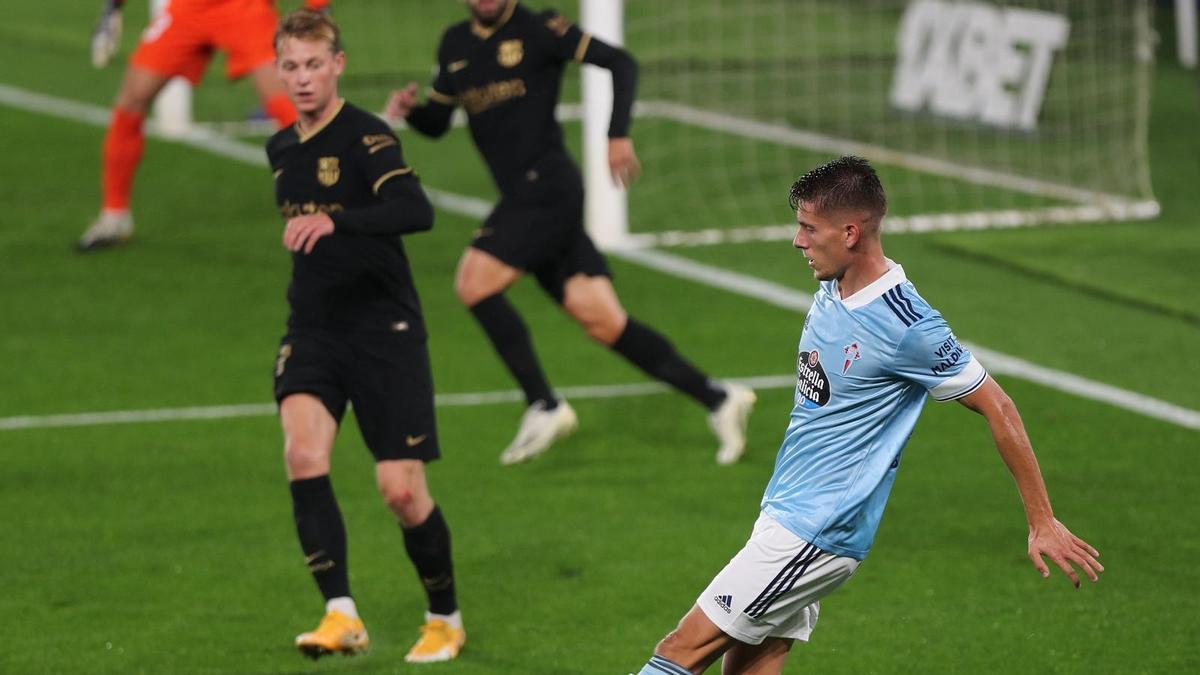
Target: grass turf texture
x=168 y=547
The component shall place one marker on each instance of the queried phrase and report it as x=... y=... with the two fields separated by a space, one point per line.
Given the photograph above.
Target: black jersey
x=358 y=277
x=508 y=78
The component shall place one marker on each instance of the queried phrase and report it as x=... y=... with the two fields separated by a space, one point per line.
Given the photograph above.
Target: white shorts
x=771 y=587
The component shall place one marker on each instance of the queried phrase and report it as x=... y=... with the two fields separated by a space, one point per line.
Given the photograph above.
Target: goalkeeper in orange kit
x=180 y=41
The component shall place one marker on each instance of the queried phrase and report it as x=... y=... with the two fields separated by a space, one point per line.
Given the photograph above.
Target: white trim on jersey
x=894 y=275
x=967 y=380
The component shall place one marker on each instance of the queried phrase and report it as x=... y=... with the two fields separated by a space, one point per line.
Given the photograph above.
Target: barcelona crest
x=510 y=53
x=328 y=171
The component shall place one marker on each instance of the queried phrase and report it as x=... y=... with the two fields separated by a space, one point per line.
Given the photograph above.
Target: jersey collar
x=309 y=133
x=894 y=275
x=485 y=32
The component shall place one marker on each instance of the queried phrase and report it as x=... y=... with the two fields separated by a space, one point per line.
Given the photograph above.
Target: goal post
x=605 y=207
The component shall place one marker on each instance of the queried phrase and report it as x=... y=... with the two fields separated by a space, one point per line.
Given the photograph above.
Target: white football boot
x=729 y=420
x=540 y=428
x=108 y=229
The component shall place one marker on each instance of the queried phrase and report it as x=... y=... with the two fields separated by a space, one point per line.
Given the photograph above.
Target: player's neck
x=861 y=274
x=307 y=123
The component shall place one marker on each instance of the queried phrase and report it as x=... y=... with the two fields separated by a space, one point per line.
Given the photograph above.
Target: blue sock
x=658 y=665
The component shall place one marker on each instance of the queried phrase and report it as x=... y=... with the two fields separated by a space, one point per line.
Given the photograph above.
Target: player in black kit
x=504 y=67
x=355 y=333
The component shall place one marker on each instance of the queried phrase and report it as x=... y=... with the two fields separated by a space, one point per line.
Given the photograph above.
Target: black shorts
x=385 y=376
x=538 y=227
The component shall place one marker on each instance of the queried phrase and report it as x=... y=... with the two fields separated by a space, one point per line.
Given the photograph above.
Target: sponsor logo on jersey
x=510 y=53
x=949 y=354
x=291 y=210
x=328 y=172
x=478 y=99
x=812 y=384
x=853 y=353
x=724 y=601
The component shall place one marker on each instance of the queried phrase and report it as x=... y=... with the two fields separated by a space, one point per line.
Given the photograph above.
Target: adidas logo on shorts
x=724 y=601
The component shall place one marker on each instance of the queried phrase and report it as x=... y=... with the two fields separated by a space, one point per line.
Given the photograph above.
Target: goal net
x=977 y=113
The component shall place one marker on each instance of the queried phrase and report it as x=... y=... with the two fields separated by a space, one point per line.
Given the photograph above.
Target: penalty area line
x=464 y=399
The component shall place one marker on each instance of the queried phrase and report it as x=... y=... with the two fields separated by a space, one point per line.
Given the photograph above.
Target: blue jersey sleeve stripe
x=906 y=303
x=895 y=310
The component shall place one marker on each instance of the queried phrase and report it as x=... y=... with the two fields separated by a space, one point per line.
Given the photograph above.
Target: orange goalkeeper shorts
x=184 y=37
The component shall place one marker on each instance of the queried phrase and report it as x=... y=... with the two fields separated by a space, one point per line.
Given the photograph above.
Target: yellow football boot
x=337 y=634
x=439 y=641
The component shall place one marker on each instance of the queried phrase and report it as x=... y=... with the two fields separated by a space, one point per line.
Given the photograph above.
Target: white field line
x=997 y=363
x=220 y=412
x=772 y=293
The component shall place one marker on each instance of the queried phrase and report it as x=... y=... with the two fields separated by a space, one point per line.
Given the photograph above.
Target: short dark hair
x=847 y=182
x=306 y=24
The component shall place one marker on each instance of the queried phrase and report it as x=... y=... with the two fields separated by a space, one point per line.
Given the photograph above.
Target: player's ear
x=339 y=62
x=851 y=232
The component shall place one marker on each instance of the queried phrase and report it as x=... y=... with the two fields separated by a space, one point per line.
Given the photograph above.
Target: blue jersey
x=866 y=365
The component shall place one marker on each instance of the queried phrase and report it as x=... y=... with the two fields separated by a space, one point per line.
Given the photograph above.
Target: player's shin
x=428 y=546
x=322 y=534
x=649 y=350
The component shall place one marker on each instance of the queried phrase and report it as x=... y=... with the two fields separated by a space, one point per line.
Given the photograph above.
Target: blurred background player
x=871 y=353
x=355 y=334
x=505 y=67
x=180 y=41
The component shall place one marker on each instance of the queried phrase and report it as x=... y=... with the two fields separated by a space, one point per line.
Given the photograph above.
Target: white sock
x=114 y=213
x=455 y=619
x=344 y=604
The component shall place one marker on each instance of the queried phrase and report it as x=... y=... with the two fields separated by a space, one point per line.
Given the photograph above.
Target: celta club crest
x=510 y=53
x=852 y=354
x=328 y=171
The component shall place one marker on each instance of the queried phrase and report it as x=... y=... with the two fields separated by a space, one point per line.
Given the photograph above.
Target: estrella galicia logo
x=812 y=385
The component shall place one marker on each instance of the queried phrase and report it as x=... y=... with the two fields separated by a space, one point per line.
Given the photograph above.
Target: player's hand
x=401 y=102
x=302 y=232
x=106 y=36
x=1054 y=541
x=623 y=162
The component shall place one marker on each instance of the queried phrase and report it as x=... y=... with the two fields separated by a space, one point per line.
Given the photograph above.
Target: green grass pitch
x=168 y=547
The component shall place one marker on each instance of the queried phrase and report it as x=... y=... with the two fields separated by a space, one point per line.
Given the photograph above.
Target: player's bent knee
x=305 y=459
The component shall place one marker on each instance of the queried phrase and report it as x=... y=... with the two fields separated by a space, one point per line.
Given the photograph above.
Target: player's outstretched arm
x=106 y=35
x=431 y=119
x=1048 y=537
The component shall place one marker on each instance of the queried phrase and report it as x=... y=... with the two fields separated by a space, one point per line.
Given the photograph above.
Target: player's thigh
x=139 y=88
x=309 y=431
x=391 y=389
x=772 y=587
x=245 y=31
x=577 y=257
x=592 y=301
x=174 y=44
x=766 y=658
x=307 y=378
x=481 y=275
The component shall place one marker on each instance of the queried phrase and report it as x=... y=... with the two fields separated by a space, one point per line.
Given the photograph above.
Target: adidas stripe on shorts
x=771 y=587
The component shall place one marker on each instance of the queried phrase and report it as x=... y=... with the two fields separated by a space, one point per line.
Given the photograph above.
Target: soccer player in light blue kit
x=870 y=353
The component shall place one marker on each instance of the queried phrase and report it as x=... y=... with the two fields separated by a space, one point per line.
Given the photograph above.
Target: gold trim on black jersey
x=444 y=99
x=581 y=50
x=391 y=174
x=305 y=135
x=485 y=32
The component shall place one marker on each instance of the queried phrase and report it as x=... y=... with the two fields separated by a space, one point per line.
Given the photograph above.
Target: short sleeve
x=931 y=356
x=562 y=38
x=380 y=157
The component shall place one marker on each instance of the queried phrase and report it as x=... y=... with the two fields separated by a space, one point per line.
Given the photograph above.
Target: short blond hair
x=305 y=24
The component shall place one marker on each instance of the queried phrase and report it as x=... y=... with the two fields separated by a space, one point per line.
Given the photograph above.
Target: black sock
x=322 y=534
x=647 y=349
x=428 y=546
x=510 y=337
